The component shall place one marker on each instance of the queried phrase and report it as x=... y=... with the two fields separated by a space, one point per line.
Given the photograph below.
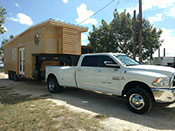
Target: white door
x=21 y=61
x=107 y=79
x=85 y=73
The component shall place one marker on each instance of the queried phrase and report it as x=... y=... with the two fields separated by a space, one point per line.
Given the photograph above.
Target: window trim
x=107 y=56
x=14 y=53
x=89 y=56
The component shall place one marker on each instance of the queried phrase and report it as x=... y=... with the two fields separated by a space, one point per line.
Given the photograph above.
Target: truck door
x=85 y=72
x=107 y=79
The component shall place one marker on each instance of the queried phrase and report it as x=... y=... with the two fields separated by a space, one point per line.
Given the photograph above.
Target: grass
x=26 y=113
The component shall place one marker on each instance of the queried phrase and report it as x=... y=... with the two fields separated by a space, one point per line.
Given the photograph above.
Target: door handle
x=99 y=71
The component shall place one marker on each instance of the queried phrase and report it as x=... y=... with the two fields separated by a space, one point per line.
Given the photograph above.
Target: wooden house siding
x=70 y=38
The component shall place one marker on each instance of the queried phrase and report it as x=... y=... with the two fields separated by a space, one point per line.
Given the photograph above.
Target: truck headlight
x=161 y=81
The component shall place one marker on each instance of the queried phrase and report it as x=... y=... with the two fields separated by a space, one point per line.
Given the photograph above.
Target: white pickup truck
x=116 y=74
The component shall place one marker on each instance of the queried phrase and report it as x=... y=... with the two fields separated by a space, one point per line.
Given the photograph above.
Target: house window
x=14 y=54
x=36 y=39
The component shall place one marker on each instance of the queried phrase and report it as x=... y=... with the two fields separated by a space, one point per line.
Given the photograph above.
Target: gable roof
x=51 y=22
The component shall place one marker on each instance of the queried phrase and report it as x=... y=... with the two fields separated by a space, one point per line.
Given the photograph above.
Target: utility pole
x=140 y=31
x=134 y=36
x=164 y=52
x=159 y=52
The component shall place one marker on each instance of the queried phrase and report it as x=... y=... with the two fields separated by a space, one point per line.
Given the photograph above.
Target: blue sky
x=21 y=14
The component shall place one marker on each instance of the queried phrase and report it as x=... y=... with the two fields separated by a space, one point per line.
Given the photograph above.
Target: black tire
x=15 y=77
x=139 y=101
x=53 y=85
x=12 y=76
x=36 y=75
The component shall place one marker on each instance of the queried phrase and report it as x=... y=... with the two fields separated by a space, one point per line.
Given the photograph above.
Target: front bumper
x=164 y=95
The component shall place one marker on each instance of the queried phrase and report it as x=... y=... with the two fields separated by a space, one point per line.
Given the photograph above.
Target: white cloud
x=131 y=10
x=171 y=12
x=84 y=43
x=84 y=37
x=168 y=44
x=65 y=1
x=22 y=19
x=83 y=14
x=148 y=4
x=17 y=5
x=158 y=17
x=5 y=28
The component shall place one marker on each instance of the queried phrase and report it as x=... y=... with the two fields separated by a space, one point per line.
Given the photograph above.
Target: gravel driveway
x=161 y=117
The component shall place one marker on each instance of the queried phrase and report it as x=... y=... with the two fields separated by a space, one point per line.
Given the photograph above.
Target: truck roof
x=111 y=53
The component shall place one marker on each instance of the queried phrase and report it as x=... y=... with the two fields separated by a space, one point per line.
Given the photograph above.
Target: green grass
x=26 y=113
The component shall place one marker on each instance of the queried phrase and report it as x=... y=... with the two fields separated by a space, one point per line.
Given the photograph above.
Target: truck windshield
x=126 y=60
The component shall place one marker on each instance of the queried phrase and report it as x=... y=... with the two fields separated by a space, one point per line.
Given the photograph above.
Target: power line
x=117 y=4
x=115 y=8
x=97 y=12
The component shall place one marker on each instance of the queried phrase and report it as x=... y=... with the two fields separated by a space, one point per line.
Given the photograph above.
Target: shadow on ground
x=161 y=116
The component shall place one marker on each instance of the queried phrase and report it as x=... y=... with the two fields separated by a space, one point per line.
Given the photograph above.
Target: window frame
x=105 y=56
x=14 y=54
x=89 y=65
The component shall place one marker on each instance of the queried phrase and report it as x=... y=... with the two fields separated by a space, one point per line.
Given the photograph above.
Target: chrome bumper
x=164 y=95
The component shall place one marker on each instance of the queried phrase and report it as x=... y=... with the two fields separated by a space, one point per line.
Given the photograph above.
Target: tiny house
x=48 y=43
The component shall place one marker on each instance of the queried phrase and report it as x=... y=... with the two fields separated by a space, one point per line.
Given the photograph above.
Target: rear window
x=90 y=61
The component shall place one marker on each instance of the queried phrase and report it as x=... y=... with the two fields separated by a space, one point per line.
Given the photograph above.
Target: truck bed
x=65 y=74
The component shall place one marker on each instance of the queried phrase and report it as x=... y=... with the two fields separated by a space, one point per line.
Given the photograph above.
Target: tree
x=2 y=19
x=117 y=36
x=4 y=41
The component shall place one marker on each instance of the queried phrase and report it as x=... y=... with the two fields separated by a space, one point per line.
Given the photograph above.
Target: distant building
x=165 y=61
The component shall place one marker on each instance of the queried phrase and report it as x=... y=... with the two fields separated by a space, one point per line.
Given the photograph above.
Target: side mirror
x=110 y=64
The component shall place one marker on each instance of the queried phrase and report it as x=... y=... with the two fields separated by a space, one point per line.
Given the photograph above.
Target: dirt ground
x=161 y=117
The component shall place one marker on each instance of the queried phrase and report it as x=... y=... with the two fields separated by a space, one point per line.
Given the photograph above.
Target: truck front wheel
x=53 y=85
x=139 y=101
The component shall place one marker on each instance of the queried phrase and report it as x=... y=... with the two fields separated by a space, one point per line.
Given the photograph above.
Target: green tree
x=117 y=36
x=4 y=41
x=2 y=19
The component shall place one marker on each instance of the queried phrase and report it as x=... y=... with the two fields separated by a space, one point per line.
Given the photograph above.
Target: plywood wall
x=54 y=40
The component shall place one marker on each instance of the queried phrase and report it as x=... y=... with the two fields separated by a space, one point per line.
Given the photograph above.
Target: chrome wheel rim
x=51 y=85
x=136 y=101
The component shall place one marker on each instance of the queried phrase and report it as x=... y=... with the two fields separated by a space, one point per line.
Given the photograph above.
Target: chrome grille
x=172 y=81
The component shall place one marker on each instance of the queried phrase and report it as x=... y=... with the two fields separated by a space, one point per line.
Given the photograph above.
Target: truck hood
x=168 y=71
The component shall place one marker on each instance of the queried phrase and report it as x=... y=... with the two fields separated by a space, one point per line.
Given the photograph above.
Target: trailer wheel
x=36 y=75
x=12 y=76
x=15 y=77
x=53 y=85
x=9 y=75
x=139 y=101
